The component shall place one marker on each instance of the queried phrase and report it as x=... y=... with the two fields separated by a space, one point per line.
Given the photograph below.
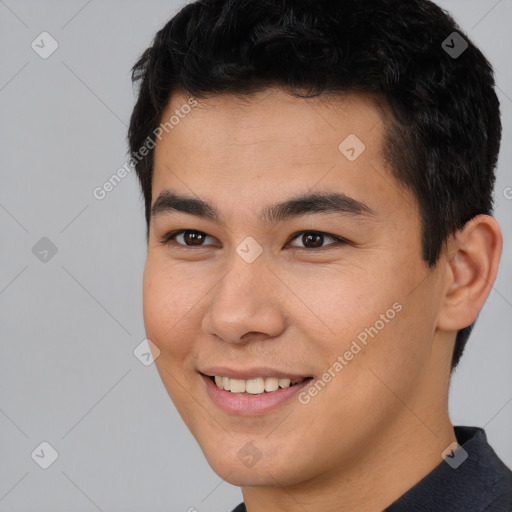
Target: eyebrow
x=320 y=202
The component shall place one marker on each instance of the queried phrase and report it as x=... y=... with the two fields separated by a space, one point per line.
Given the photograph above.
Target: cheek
x=379 y=318
x=168 y=311
x=342 y=305
x=167 y=306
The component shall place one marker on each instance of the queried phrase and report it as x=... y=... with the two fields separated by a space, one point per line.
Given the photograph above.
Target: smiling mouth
x=256 y=386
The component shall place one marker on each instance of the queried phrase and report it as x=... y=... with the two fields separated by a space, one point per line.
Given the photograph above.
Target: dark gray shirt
x=480 y=483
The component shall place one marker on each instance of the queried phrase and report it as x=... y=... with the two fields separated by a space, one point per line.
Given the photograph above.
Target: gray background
x=68 y=326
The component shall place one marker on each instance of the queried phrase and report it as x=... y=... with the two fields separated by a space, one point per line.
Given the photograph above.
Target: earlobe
x=473 y=259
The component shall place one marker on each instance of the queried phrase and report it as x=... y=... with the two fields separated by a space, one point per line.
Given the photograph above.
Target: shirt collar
x=471 y=478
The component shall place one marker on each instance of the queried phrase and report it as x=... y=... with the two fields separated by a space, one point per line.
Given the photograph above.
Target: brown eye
x=193 y=237
x=315 y=239
x=185 y=238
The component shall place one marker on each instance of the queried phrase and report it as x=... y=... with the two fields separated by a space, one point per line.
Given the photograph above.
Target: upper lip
x=251 y=373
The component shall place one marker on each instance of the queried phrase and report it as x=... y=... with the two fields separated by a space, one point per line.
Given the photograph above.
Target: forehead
x=262 y=115
x=269 y=126
x=270 y=144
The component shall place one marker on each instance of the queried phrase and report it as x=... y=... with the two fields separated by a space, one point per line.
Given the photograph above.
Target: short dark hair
x=443 y=138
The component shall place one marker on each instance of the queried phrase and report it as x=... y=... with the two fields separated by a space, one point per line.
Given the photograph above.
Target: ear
x=473 y=256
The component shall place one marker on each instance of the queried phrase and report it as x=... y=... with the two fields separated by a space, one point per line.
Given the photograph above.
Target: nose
x=245 y=305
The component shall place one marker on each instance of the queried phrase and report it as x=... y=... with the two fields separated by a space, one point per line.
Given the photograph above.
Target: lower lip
x=248 y=405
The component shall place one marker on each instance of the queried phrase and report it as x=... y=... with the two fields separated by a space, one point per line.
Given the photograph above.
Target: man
x=318 y=185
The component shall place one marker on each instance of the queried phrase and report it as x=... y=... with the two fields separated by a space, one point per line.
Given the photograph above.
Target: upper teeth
x=253 y=386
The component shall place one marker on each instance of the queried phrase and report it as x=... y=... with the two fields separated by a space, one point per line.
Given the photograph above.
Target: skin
x=382 y=422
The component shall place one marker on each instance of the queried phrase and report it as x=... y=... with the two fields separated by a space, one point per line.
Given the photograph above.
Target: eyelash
x=169 y=239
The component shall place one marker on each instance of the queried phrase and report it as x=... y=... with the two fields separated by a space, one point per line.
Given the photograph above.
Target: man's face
x=251 y=296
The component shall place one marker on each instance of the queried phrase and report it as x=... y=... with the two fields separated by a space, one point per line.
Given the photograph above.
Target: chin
x=240 y=463
x=261 y=475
